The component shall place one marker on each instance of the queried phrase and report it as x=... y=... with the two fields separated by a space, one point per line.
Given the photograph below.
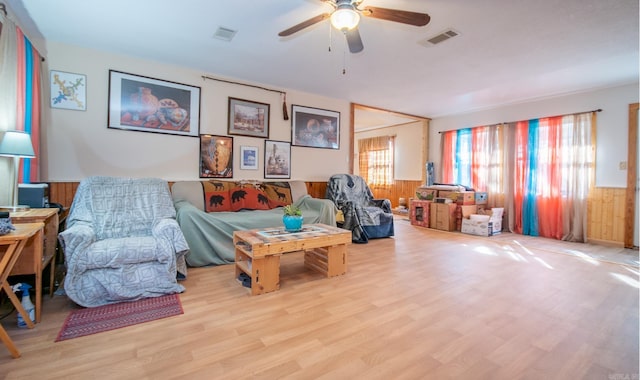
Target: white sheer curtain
x=578 y=170
x=8 y=91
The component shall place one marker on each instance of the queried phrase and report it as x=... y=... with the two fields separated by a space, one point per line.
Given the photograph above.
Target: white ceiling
x=508 y=51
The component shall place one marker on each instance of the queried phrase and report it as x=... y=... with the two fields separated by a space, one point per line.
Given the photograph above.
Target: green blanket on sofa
x=210 y=235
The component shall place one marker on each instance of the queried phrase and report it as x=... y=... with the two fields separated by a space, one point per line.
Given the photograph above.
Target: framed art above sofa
x=315 y=127
x=216 y=156
x=138 y=103
x=277 y=159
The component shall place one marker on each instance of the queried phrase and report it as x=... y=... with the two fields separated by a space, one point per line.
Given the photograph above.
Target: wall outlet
x=623 y=165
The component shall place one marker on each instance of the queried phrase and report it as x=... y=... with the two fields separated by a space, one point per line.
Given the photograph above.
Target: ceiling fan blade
x=354 y=41
x=405 y=17
x=304 y=24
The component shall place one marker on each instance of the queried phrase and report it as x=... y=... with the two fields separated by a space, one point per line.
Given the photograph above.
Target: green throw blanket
x=210 y=235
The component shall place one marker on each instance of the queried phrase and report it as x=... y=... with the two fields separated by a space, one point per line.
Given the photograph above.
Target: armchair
x=122 y=242
x=367 y=218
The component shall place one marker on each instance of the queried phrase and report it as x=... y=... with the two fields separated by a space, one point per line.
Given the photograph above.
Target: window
x=376 y=160
x=544 y=167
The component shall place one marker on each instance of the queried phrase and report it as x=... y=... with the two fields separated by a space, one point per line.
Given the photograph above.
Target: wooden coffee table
x=258 y=252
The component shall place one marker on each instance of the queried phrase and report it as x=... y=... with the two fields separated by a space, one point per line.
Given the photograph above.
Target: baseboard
x=608 y=243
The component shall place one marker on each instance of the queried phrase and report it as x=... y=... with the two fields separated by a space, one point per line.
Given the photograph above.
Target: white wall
x=78 y=144
x=408 y=149
x=611 y=134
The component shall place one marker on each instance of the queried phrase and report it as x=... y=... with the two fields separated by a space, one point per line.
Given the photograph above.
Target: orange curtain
x=376 y=160
x=448 y=145
x=550 y=161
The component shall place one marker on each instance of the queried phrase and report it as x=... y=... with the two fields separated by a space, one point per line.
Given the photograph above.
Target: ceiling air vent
x=224 y=34
x=447 y=34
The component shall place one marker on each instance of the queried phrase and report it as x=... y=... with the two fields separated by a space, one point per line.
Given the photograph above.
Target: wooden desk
x=11 y=247
x=35 y=259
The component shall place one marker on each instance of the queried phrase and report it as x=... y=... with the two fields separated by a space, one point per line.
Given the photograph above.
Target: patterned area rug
x=93 y=320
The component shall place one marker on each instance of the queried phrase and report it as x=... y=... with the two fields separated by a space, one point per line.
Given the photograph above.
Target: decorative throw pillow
x=279 y=193
x=248 y=198
x=216 y=195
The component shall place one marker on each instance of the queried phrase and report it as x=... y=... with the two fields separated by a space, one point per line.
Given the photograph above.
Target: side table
x=35 y=259
x=11 y=247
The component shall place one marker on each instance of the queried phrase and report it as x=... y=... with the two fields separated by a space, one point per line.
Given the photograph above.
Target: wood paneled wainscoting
x=606 y=215
x=605 y=207
x=63 y=192
x=400 y=189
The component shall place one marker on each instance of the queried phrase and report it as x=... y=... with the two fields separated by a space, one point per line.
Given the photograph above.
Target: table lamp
x=15 y=144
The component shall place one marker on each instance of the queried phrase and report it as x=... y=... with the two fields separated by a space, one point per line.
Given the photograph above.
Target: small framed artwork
x=249 y=157
x=138 y=103
x=248 y=118
x=68 y=91
x=216 y=156
x=277 y=159
x=315 y=128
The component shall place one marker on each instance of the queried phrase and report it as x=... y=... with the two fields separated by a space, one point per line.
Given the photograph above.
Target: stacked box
x=426 y=194
x=459 y=197
x=477 y=227
x=443 y=216
x=496 y=219
x=481 y=198
x=463 y=212
x=419 y=212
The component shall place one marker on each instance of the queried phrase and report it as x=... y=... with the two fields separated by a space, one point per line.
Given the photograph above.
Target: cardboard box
x=463 y=212
x=419 y=212
x=459 y=197
x=477 y=227
x=443 y=216
x=425 y=194
x=496 y=218
x=482 y=198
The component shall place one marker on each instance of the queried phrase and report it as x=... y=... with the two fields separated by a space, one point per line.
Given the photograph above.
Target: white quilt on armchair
x=122 y=242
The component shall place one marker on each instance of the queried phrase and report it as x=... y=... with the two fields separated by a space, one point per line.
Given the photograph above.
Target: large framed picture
x=248 y=118
x=216 y=156
x=315 y=128
x=68 y=90
x=277 y=159
x=138 y=103
x=249 y=157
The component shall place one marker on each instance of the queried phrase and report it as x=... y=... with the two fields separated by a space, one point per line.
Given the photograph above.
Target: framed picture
x=315 y=128
x=68 y=91
x=249 y=157
x=216 y=156
x=248 y=118
x=138 y=103
x=277 y=159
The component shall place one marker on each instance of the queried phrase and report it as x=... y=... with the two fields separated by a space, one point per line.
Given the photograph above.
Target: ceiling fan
x=346 y=17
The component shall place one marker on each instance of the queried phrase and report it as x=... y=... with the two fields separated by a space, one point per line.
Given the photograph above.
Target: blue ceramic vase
x=292 y=223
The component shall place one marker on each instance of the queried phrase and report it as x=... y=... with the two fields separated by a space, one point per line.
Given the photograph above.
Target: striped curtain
x=475 y=157
x=540 y=170
x=20 y=93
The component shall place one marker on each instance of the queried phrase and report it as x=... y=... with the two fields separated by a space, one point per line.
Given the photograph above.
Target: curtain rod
x=509 y=122
x=244 y=84
x=285 y=114
x=3 y=8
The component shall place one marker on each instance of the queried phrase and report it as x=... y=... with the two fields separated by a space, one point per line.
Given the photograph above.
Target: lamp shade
x=16 y=144
x=345 y=18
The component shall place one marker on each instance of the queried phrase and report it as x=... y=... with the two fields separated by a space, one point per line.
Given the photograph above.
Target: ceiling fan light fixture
x=345 y=17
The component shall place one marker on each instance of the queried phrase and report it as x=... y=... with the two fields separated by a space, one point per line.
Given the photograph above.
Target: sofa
x=208 y=211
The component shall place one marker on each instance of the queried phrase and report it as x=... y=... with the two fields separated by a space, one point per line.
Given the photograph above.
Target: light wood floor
x=423 y=305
